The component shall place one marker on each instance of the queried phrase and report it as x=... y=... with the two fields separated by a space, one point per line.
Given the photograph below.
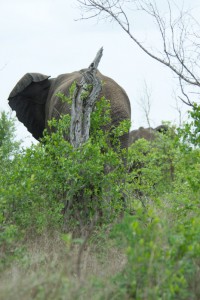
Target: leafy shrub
x=152 y=165
x=190 y=132
x=8 y=149
x=163 y=256
x=52 y=179
x=8 y=146
x=52 y=186
x=162 y=237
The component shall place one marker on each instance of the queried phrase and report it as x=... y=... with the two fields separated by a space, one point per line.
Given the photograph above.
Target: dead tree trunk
x=84 y=98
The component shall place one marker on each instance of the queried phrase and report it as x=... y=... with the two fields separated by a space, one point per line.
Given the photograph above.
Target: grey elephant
x=148 y=134
x=35 y=100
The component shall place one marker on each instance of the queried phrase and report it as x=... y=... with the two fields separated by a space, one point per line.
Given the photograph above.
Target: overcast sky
x=43 y=36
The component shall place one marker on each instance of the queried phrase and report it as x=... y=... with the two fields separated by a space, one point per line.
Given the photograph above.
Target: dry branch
x=85 y=95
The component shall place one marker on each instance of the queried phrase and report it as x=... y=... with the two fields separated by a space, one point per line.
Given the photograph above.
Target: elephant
x=35 y=100
x=148 y=134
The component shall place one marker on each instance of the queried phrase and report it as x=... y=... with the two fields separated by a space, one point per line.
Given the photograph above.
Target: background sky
x=43 y=36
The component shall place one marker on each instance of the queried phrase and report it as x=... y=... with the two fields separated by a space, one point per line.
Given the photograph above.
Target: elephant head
x=148 y=134
x=35 y=100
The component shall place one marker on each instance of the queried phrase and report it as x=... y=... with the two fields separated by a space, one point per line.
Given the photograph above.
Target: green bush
x=162 y=237
x=52 y=182
x=52 y=186
x=163 y=256
x=152 y=165
x=190 y=131
x=8 y=146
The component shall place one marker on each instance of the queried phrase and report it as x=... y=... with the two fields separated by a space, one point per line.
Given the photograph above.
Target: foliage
x=190 y=133
x=7 y=134
x=52 y=185
x=58 y=194
x=162 y=235
x=163 y=254
x=8 y=149
x=152 y=164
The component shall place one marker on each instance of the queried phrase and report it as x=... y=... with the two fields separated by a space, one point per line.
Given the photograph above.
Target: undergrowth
x=90 y=223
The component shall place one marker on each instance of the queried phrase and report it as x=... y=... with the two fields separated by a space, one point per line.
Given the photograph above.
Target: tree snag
x=84 y=98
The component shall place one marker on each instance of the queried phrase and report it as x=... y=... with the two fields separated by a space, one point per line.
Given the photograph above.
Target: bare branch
x=179 y=32
x=187 y=101
x=145 y=103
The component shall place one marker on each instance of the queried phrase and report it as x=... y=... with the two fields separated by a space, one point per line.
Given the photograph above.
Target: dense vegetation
x=79 y=224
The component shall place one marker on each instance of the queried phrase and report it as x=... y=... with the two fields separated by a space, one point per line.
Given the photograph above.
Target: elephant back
x=141 y=133
x=54 y=105
x=117 y=95
x=120 y=104
x=149 y=134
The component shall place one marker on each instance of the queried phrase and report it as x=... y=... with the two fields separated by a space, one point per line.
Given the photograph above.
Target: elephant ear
x=28 y=99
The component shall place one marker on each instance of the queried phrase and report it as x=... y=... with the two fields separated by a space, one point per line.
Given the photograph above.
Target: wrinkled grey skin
x=148 y=134
x=35 y=100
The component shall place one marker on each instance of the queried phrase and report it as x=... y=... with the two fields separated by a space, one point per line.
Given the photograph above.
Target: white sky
x=42 y=36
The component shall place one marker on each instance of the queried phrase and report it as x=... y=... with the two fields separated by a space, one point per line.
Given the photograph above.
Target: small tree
x=7 y=134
